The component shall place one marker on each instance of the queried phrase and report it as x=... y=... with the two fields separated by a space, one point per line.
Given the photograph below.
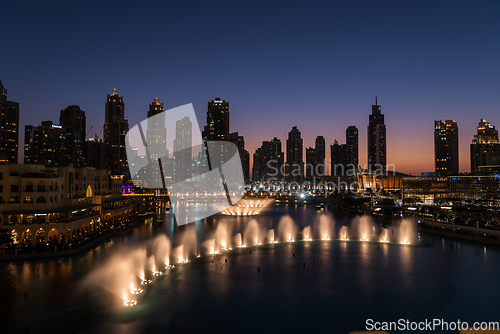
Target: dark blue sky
x=315 y=65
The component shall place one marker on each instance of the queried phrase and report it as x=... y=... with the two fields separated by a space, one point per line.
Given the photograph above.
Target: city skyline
x=361 y=147
x=439 y=63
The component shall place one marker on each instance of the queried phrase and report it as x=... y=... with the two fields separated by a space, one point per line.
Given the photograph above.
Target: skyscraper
x=377 y=155
x=344 y=157
x=48 y=145
x=485 y=147
x=9 y=127
x=217 y=128
x=338 y=156
x=351 y=137
x=315 y=160
x=239 y=141
x=156 y=137
x=94 y=152
x=73 y=120
x=446 y=148
x=294 y=156
x=310 y=163
x=268 y=161
x=320 y=154
x=115 y=129
x=218 y=120
x=29 y=136
x=183 y=150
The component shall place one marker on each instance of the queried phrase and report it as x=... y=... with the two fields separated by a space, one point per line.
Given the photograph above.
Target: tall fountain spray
x=270 y=237
x=325 y=227
x=362 y=227
x=251 y=233
x=384 y=236
x=407 y=232
x=188 y=247
x=287 y=229
x=306 y=233
x=161 y=249
x=237 y=240
x=344 y=233
x=223 y=237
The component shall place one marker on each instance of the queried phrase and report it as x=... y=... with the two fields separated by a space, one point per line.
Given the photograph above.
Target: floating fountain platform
x=248 y=207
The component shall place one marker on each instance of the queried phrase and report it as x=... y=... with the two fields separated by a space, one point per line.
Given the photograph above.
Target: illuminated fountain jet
x=384 y=236
x=344 y=233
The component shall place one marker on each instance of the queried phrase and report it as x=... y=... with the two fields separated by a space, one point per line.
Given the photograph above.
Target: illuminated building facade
x=268 y=161
x=446 y=148
x=115 y=129
x=47 y=146
x=9 y=128
x=73 y=121
x=218 y=120
x=485 y=147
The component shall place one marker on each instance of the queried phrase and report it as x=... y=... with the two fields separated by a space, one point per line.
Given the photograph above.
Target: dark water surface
x=304 y=287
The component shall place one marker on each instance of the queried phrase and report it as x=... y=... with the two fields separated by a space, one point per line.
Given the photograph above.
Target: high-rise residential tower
x=377 y=154
x=48 y=145
x=218 y=120
x=29 y=136
x=344 y=157
x=9 y=128
x=294 y=156
x=485 y=147
x=315 y=160
x=115 y=129
x=73 y=120
x=446 y=147
x=351 y=138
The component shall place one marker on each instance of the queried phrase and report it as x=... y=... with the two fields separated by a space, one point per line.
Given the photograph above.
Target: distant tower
x=115 y=129
x=239 y=141
x=351 y=137
x=183 y=150
x=485 y=147
x=156 y=138
x=294 y=156
x=9 y=128
x=377 y=155
x=319 y=155
x=267 y=159
x=73 y=120
x=29 y=136
x=446 y=147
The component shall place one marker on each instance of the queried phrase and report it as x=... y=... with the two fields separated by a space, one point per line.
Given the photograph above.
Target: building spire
x=376 y=101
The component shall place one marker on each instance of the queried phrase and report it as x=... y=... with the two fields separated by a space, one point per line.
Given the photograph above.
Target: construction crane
x=87 y=135
x=100 y=132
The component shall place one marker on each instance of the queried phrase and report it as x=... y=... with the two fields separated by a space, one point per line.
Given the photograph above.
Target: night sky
x=315 y=65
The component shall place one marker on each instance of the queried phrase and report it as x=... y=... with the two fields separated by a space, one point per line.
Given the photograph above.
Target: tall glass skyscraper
x=377 y=154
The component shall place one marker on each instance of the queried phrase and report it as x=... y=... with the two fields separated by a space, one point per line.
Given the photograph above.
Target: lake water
x=301 y=287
